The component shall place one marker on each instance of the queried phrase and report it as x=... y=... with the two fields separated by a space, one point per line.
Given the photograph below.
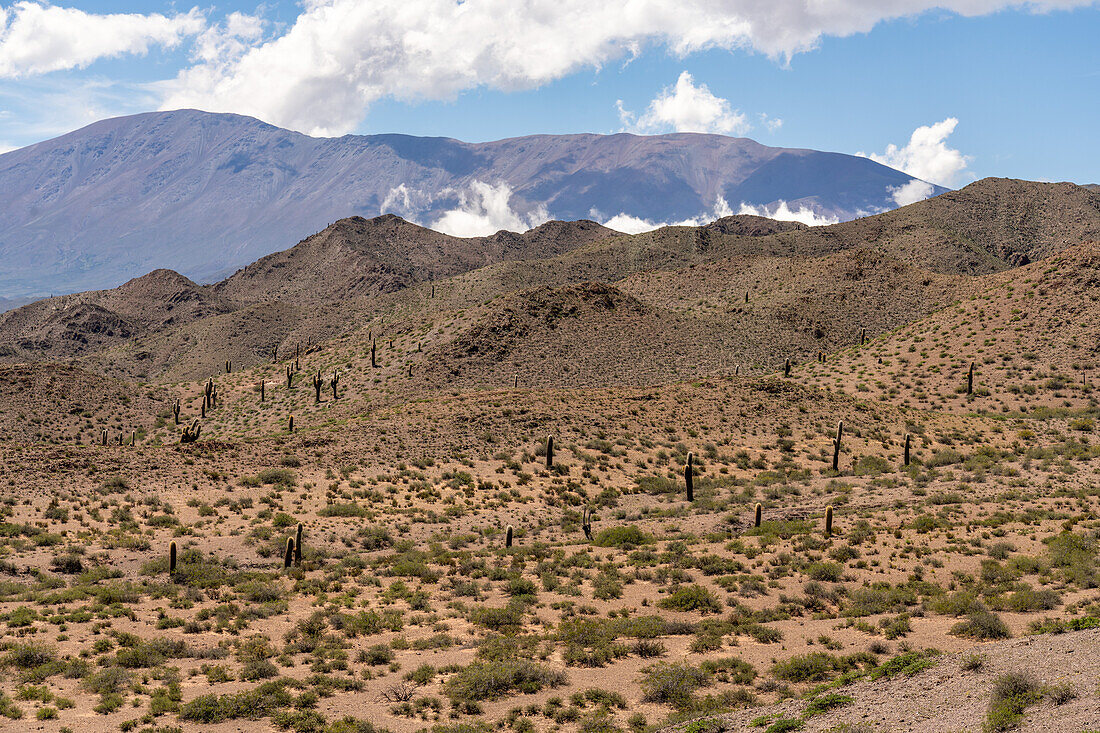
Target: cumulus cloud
x=926 y=156
x=783 y=212
x=485 y=209
x=628 y=224
x=686 y=107
x=339 y=56
x=910 y=193
x=36 y=38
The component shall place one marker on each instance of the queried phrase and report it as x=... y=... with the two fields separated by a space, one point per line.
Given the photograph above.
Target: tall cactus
x=263 y=392
x=549 y=452
x=828 y=521
x=334 y=382
x=836 y=445
x=508 y=536
x=317 y=384
x=905 y=459
x=191 y=433
x=970 y=379
x=862 y=336
x=172 y=558
x=689 y=476
x=228 y=367
x=288 y=556
x=787 y=368
x=586 y=523
x=759 y=514
x=290 y=424
x=289 y=377
x=373 y=354
x=176 y=410
x=298 y=546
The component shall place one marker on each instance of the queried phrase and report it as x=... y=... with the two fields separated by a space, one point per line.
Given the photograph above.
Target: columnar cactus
x=290 y=424
x=334 y=382
x=862 y=336
x=970 y=379
x=288 y=556
x=289 y=377
x=191 y=433
x=298 y=546
x=176 y=411
x=787 y=368
x=515 y=382
x=759 y=514
x=228 y=367
x=373 y=354
x=263 y=393
x=172 y=558
x=508 y=536
x=549 y=451
x=906 y=456
x=202 y=411
x=836 y=445
x=689 y=476
x=828 y=521
x=586 y=523
x=317 y=384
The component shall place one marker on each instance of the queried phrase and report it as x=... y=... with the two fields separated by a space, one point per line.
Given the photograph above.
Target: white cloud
x=628 y=224
x=783 y=212
x=910 y=193
x=340 y=56
x=37 y=38
x=686 y=108
x=485 y=209
x=926 y=156
x=772 y=123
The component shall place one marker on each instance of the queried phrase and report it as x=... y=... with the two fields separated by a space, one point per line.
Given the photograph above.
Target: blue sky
x=1016 y=91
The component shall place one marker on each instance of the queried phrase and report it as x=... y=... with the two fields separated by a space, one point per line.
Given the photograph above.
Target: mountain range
x=204 y=193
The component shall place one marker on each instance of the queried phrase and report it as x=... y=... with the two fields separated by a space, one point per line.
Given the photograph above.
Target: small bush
x=982 y=625
x=491 y=680
x=673 y=684
x=624 y=536
x=1011 y=695
x=692 y=598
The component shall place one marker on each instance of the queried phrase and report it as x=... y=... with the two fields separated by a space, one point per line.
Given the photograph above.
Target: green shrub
x=692 y=598
x=1011 y=695
x=491 y=680
x=673 y=683
x=982 y=625
x=623 y=536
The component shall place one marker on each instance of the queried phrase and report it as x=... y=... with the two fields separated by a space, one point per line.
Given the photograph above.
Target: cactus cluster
x=191 y=433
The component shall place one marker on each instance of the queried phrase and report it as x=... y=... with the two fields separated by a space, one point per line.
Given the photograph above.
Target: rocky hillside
x=204 y=194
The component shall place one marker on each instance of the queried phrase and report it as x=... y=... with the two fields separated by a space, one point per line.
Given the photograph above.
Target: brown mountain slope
x=357 y=256
x=988 y=226
x=70 y=325
x=358 y=269
x=53 y=403
x=1032 y=333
